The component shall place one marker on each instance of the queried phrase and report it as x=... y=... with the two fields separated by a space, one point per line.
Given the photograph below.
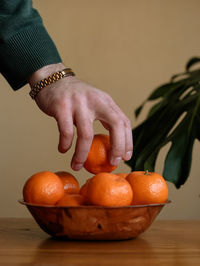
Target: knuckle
x=58 y=106
x=68 y=134
x=118 y=122
x=61 y=102
x=85 y=132
x=114 y=118
x=117 y=151
x=127 y=122
x=86 y=136
x=78 y=99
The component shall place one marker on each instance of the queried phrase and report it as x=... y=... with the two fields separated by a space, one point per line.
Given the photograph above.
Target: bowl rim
x=21 y=201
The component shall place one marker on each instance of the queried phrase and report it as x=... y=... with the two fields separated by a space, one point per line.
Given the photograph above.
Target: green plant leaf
x=192 y=62
x=163 y=90
x=179 y=157
x=160 y=128
x=143 y=135
x=139 y=109
x=155 y=108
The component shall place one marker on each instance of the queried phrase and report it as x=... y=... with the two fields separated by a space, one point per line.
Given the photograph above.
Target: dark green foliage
x=178 y=98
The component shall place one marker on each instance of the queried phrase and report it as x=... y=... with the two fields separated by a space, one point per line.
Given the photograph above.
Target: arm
x=28 y=54
x=25 y=45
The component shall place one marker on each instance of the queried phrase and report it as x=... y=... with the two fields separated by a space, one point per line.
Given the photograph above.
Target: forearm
x=25 y=45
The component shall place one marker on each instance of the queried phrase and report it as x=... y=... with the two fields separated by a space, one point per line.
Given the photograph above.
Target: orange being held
x=106 y=189
x=98 y=156
x=71 y=200
x=44 y=188
x=148 y=187
x=70 y=183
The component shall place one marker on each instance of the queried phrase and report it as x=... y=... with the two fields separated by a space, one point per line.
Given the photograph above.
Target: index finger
x=84 y=139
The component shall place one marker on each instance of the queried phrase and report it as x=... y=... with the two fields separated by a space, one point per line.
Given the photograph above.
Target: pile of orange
x=47 y=188
x=103 y=189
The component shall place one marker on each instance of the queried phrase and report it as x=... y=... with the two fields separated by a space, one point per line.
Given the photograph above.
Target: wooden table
x=168 y=243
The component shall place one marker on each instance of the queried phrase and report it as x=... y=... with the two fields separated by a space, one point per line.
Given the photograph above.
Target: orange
x=83 y=190
x=148 y=187
x=124 y=175
x=98 y=156
x=107 y=189
x=70 y=183
x=71 y=200
x=43 y=188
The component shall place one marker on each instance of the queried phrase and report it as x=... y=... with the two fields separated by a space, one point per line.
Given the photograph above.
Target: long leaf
x=176 y=98
x=139 y=109
x=178 y=160
x=192 y=62
x=163 y=90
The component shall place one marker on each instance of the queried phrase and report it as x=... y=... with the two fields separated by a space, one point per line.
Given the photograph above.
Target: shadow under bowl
x=94 y=222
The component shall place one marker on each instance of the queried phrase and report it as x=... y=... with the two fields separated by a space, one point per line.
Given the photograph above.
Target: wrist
x=44 y=72
x=46 y=76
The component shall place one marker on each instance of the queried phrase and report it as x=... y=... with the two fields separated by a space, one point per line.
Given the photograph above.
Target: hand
x=73 y=102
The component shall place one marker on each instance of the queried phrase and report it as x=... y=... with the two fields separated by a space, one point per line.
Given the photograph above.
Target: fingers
x=84 y=139
x=120 y=134
x=80 y=108
x=128 y=133
x=117 y=140
x=65 y=126
x=129 y=141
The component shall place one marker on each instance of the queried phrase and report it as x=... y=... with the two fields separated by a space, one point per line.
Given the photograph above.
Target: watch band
x=49 y=80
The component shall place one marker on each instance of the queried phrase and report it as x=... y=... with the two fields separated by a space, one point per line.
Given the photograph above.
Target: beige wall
x=124 y=47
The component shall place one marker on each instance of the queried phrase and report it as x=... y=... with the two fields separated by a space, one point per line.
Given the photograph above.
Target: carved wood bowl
x=94 y=222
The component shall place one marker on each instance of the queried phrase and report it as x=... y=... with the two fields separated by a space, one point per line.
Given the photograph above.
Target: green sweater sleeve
x=25 y=45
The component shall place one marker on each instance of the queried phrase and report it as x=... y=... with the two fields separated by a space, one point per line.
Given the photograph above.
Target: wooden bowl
x=94 y=222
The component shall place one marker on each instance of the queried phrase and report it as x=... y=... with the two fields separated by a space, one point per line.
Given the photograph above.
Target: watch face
x=68 y=72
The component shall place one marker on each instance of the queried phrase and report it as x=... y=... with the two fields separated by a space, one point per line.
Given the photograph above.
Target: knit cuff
x=26 y=52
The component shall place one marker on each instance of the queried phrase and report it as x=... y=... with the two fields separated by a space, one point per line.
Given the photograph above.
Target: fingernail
x=115 y=161
x=128 y=155
x=77 y=166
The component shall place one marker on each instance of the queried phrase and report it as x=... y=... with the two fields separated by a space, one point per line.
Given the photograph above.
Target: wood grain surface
x=168 y=243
